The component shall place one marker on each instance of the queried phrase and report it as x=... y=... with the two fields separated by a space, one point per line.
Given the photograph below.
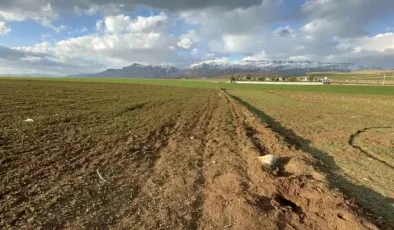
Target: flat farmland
x=359 y=77
x=125 y=156
x=352 y=135
x=49 y=166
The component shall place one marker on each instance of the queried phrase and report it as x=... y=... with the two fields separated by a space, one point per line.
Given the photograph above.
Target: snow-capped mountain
x=219 y=67
x=137 y=71
x=273 y=66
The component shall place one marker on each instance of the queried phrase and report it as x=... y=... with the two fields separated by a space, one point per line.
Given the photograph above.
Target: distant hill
x=215 y=68
x=279 y=66
x=136 y=71
x=29 y=75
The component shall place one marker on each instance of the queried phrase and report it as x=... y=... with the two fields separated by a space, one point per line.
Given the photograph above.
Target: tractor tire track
x=353 y=137
x=171 y=197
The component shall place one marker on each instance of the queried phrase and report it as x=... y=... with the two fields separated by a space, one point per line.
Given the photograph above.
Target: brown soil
x=200 y=172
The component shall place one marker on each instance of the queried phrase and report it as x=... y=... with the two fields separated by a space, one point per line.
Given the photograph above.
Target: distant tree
x=232 y=78
x=248 y=77
x=293 y=79
x=260 y=79
x=311 y=78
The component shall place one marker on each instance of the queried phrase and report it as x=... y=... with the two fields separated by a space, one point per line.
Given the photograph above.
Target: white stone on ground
x=269 y=160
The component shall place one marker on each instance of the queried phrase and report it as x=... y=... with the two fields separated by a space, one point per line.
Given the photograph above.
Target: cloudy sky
x=83 y=36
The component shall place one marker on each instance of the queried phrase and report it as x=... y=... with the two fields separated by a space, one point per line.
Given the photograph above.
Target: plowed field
x=113 y=156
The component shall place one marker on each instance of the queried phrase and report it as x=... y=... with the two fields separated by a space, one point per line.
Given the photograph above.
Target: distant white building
x=302 y=78
x=326 y=81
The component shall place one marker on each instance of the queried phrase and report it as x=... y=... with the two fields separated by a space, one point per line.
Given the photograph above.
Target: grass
x=343 y=89
x=358 y=77
x=323 y=123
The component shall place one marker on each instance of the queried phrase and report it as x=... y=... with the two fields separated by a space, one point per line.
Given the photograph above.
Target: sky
x=87 y=36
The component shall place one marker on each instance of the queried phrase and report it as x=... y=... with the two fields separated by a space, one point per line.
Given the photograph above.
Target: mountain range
x=221 y=67
x=136 y=71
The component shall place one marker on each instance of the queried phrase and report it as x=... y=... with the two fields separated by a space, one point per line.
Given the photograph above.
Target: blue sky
x=68 y=37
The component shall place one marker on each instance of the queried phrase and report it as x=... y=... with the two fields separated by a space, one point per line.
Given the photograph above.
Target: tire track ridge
x=160 y=194
x=353 y=137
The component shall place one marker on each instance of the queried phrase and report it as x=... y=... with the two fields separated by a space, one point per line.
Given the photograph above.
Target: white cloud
x=259 y=56
x=100 y=25
x=44 y=15
x=111 y=50
x=209 y=56
x=300 y=58
x=320 y=26
x=31 y=58
x=57 y=29
x=185 y=43
x=216 y=21
x=78 y=31
x=195 y=53
x=124 y=42
x=389 y=28
x=116 y=24
x=368 y=50
x=346 y=18
x=187 y=40
x=122 y=23
x=24 y=61
x=331 y=30
x=4 y=29
x=381 y=43
x=106 y=9
x=237 y=44
x=299 y=48
x=112 y=7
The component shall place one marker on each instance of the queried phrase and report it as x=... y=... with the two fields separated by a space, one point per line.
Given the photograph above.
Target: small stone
x=29 y=120
x=191 y=138
x=213 y=162
x=269 y=160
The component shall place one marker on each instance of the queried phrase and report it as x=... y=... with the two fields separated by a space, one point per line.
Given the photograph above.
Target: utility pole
x=307 y=74
x=384 y=79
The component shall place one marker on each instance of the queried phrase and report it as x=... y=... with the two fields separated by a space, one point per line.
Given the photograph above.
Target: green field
x=367 y=77
x=344 y=89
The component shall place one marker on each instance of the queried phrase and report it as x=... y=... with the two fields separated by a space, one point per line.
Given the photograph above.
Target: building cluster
x=249 y=77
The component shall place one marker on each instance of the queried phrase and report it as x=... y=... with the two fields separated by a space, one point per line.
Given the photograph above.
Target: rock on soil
x=269 y=160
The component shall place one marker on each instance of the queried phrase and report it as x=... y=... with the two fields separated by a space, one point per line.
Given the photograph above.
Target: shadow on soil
x=380 y=213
